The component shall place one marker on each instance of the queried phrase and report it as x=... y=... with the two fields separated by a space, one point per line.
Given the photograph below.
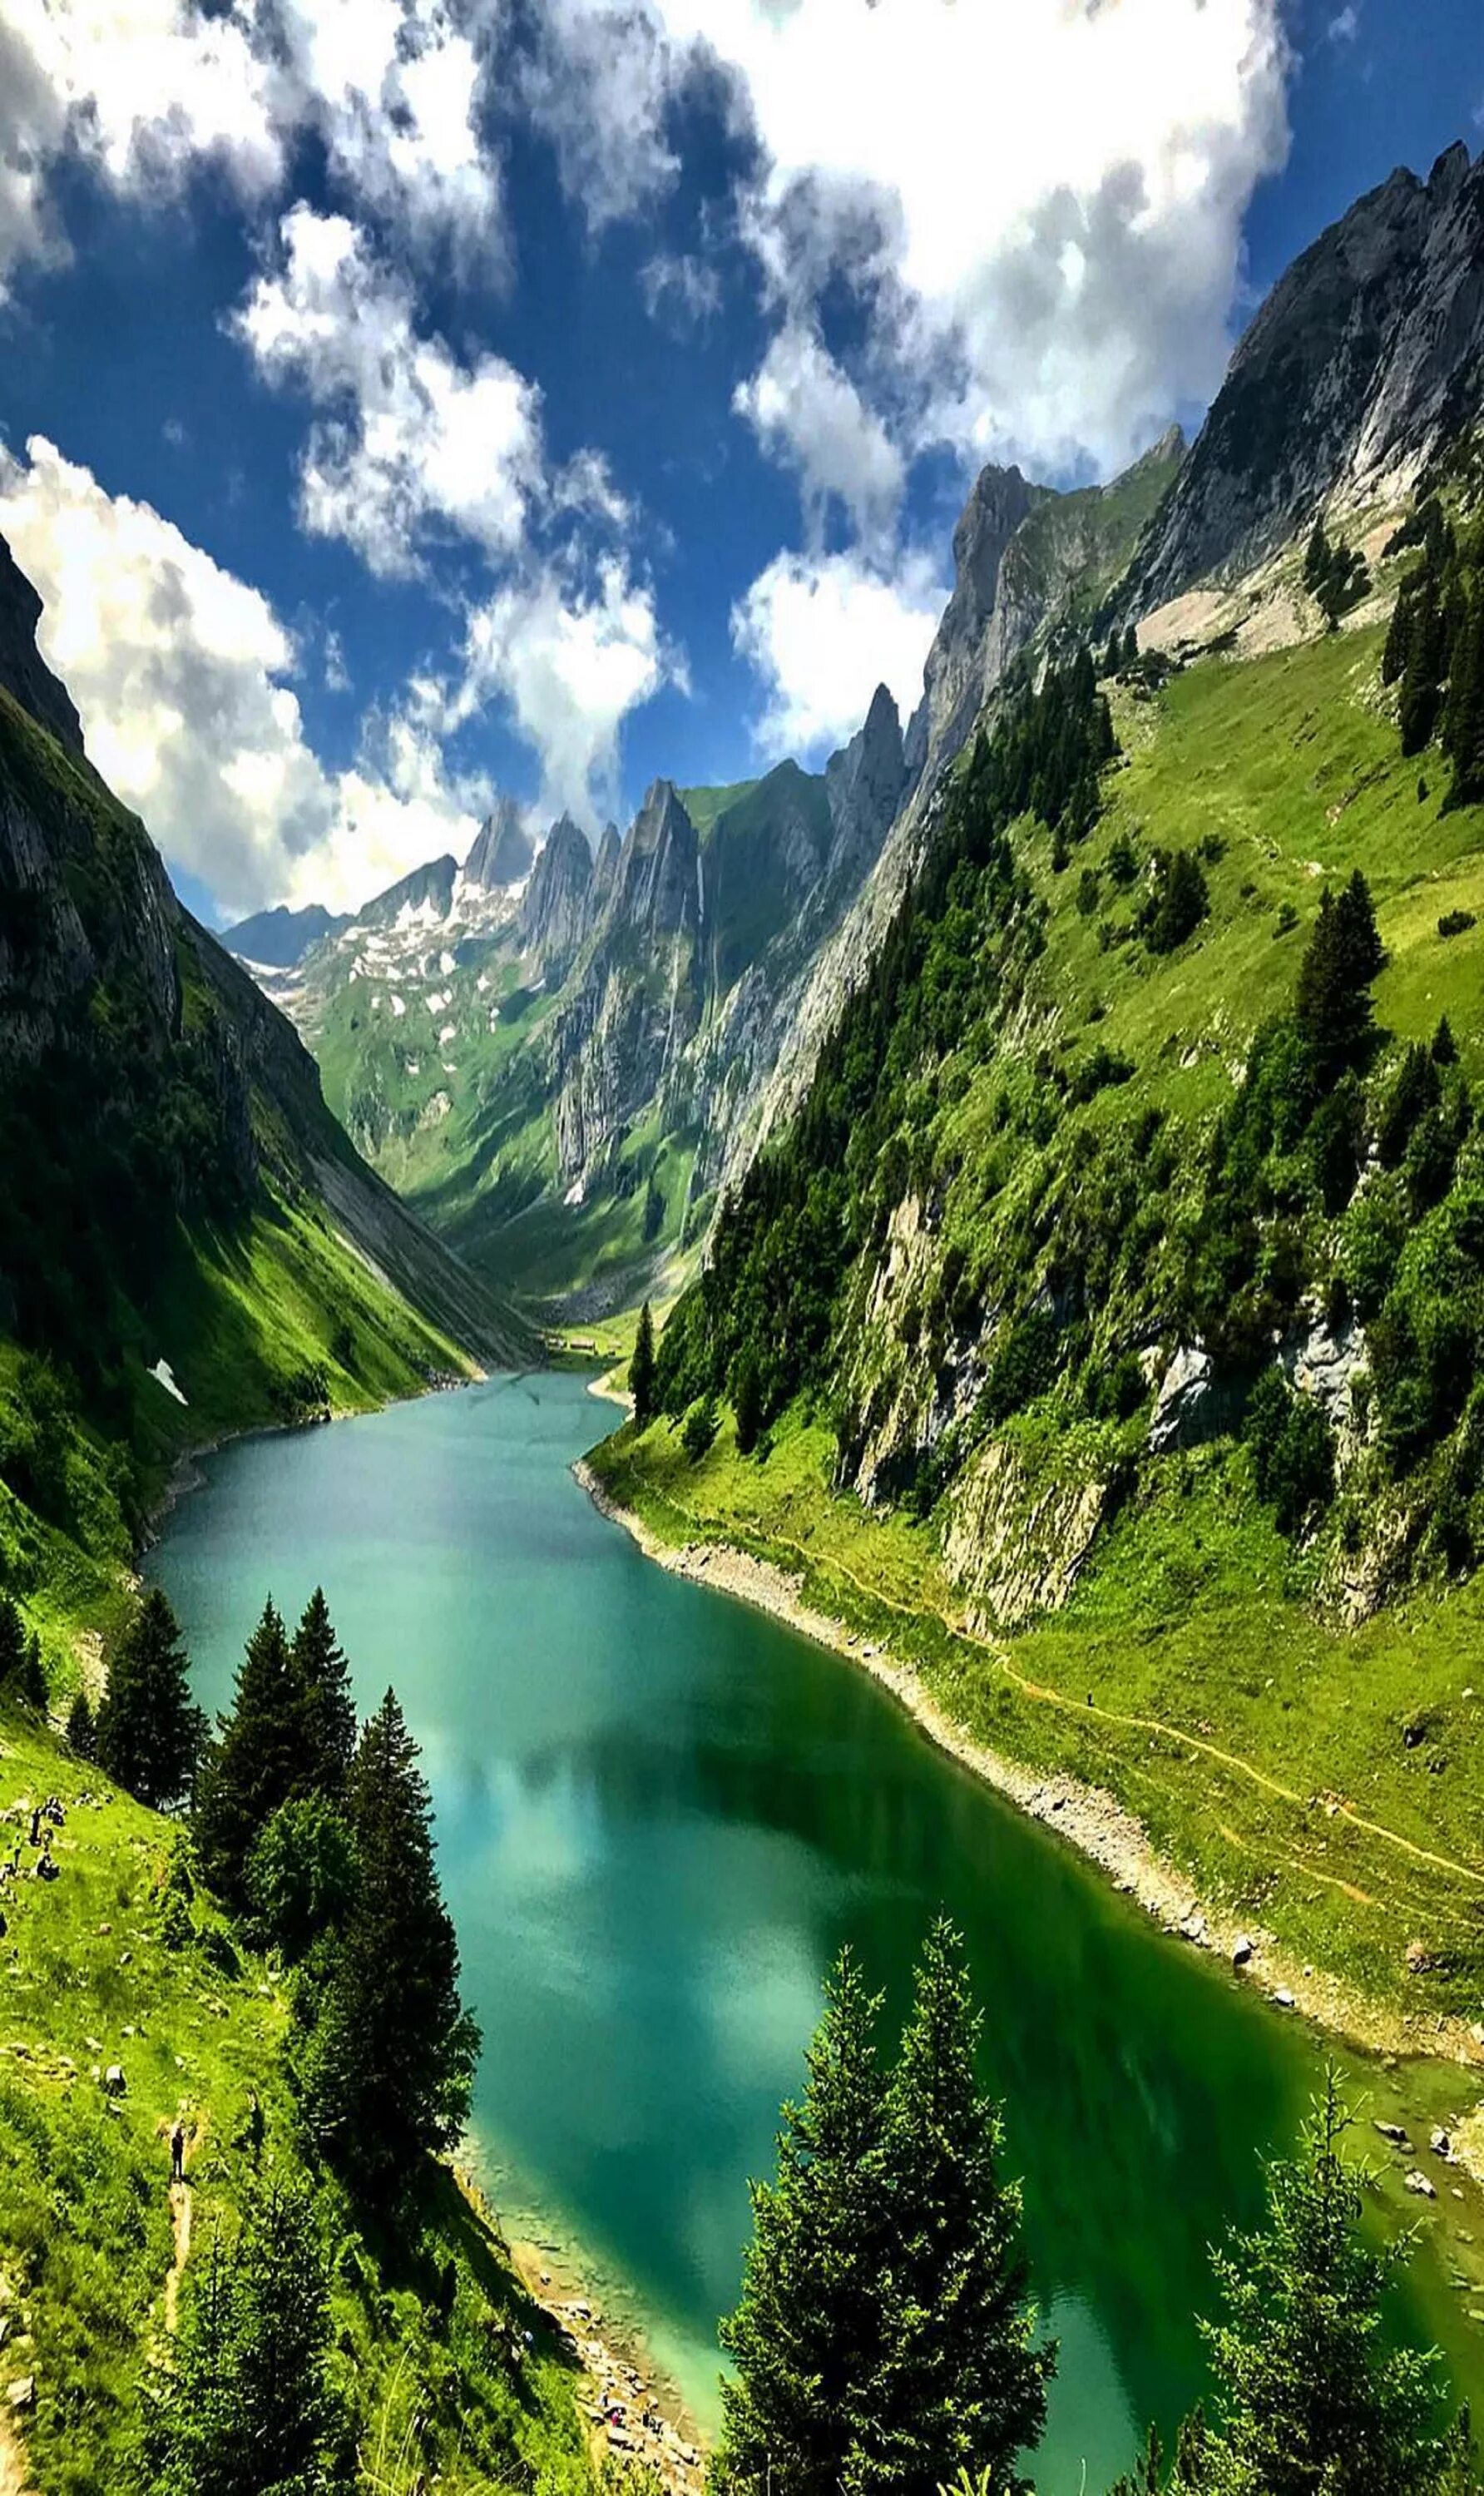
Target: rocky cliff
x=1367 y=355
x=503 y=850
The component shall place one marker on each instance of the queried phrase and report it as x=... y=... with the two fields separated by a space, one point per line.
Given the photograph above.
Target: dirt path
x=15 y=2479
x=180 y=2225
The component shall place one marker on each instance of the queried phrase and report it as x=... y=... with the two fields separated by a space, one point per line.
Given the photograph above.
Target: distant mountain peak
x=503 y=851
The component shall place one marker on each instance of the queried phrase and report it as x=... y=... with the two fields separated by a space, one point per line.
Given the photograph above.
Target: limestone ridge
x=1365 y=356
x=968 y=653
x=503 y=850
x=657 y=886
x=864 y=785
x=554 y=909
x=278 y=940
x=87 y=914
x=1029 y=562
x=427 y=892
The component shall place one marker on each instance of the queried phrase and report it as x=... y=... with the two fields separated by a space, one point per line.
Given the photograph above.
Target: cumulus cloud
x=183 y=675
x=822 y=632
x=808 y=412
x=571 y=662
x=410 y=439
x=1055 y=194
x=143 y=91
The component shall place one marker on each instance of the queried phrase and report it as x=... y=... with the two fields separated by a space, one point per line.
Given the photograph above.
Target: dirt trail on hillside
x=180 y=2224
x=14 y=2477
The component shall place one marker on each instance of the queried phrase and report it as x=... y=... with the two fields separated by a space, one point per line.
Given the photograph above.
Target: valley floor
x=1243 y=1772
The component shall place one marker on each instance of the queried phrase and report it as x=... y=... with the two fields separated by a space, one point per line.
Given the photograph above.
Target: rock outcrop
x=1364 y=358
x=503 y=850
x=555 y=909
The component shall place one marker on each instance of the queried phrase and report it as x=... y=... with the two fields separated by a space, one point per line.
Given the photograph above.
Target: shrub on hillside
x=1292 y=1449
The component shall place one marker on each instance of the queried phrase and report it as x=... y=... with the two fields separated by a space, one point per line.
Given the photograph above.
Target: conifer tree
x=806 y=2335
x=247 y=2409
x=259 y=1760
x=390 y=2062
x=22 y=1676
x=1427 y=655
x=964 y=2386
x=1332 y=1002
x=81 y=1732
x=747 y=1399
x=641 y=1370
x=329 y=1704
x=1312 y=2399
x=1463 y=729
x=149 y=1731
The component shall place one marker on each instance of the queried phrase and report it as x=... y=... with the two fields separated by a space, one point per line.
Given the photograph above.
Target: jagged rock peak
x=503 y=850
x=656 y=882
x=965 y=658
x=23 y=672
x=554 y=910
x=1366 y=359
x=865 y=783
x=427 y=892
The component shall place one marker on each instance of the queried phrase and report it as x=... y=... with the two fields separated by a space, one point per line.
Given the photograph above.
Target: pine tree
x=390 y=2062
x=1427 y=655
x=1463 y=727
x=806 y=2336
x=81 y=1732
x=1316 y=557
x=1398 y=635
x=1332 y=1002
x=12 y=1647
x=1130 y=645
x=964 y=2386
x=1312 y=2401
x=247 y=2409
x=641 y=1370
x=747 y=1399
x=259 y=1760
x=329 y=1704
x=149 y=1731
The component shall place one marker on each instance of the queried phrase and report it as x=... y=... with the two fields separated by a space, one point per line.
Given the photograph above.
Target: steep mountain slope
x=188 y=1242
x=1367 y=355
x=1128 y=1236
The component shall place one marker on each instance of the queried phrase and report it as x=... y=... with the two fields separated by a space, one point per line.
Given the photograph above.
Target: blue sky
x=406 y=398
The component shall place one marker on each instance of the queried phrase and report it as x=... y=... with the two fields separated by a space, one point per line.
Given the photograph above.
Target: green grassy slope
x=1251 y=1731
x=114 y=1963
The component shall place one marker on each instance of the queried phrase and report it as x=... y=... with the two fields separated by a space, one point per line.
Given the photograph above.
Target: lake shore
x=636 y=2413
x=1087 y=1817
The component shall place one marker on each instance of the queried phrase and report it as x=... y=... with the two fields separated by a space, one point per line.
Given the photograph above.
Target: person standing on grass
x=177 y=2154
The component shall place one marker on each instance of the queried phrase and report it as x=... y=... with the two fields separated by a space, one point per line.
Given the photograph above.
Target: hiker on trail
x=177 y=2154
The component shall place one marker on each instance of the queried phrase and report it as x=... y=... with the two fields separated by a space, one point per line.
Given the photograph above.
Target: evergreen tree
x=247 y=2409
x=805 y=2338
x=641 y=1370
x=81 y=1732
x=261 y=1758
x=390 y=2061
x=149 y=1731
x=963 y=2384
x=1332 y=1002
x=1463 y=727
x=1130 y=645
x=1316 y=557
x=22 y=1674
x=1398 y=635
x=1427 y=656
x=747 y=1399
x=1313 y=2402
x=329 y=1704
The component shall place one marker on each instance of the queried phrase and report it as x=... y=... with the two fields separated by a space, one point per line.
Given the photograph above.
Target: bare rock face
x=1364 y=358
x=554 y=912
x=604 y=873
x=657 y=885
x=967 y=658
x=1017 y=1545
x=864 y=785
x=428 y=890
x=503 y=850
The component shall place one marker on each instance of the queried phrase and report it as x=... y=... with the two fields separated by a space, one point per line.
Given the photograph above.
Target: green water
x=659 y=1816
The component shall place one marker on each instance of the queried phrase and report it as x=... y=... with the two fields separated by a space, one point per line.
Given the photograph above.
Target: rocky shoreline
x=1086 y=1816
x=634 y=2414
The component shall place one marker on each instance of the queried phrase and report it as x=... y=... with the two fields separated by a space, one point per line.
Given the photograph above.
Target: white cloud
x=1345 y=25
x=570 y=662
x=412 y=439
x=182 y=675
x=805 y=409
x=1055 y=192
x=144 y=90
x=822 y=632
x=681 y=287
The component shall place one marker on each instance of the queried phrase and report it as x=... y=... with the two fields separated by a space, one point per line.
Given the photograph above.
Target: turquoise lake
x=660 y=1814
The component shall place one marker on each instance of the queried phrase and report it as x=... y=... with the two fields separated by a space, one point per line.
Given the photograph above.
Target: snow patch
x=162 y=1371
x=397 y=1006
